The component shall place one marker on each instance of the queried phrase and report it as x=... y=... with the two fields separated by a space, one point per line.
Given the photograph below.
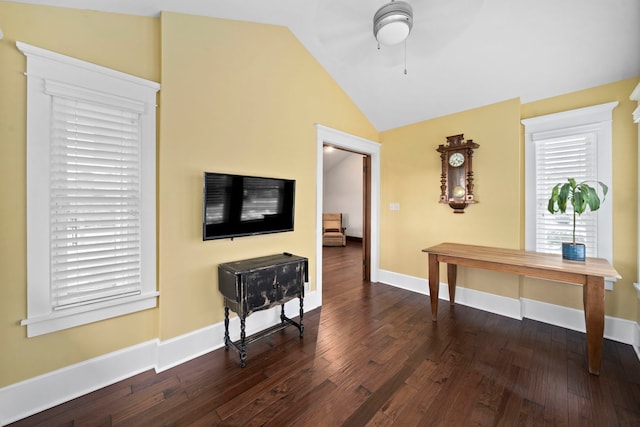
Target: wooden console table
x=590 y=274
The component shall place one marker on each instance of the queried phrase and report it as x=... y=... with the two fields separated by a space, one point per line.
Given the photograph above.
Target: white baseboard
x=36 y=394
x=636 y=344
x=45 y=391
x=492 y=303
x=616 y=329
x=185 y=347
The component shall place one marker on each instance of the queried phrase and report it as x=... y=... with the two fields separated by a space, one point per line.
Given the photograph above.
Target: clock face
x=456 y=159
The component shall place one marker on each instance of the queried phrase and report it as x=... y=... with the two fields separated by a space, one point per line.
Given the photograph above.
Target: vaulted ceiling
x=461 y=54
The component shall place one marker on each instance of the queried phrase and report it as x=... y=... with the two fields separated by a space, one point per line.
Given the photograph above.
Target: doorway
x=346 y=190
x=371 y=151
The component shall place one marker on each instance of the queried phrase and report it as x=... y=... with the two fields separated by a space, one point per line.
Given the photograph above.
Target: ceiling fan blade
x=345 y=28
x=436 y=24
x=344 y=35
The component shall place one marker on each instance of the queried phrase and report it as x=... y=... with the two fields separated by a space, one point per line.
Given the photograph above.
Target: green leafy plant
x=579 y=195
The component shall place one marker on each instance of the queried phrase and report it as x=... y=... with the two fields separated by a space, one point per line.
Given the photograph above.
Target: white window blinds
x=91 y=192
x=95 y=252
x=556 y=160
x=569 y=144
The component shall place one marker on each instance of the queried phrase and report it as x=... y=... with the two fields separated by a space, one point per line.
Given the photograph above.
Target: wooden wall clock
x=456 y=181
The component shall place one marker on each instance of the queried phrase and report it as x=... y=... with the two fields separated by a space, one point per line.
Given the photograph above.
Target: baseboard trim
x=45 y=391
x=616 y=329
x=183 y=348
x=492 y=303
x=53 y=388
x=36 y=394
x=636 y=344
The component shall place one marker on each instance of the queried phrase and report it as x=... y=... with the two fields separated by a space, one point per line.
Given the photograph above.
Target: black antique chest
x=257 y=284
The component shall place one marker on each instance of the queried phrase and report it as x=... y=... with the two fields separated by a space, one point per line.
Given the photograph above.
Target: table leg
x=452 y=274
x=226 y=326
x=593 y=300
x=434 y=284
x=243 y=345
x=301 y=314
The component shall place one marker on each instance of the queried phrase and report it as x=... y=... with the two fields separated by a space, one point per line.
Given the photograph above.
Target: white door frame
x=339 y=139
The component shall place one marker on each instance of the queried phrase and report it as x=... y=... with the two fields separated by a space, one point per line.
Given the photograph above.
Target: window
x=578 y=144
x=90 y=192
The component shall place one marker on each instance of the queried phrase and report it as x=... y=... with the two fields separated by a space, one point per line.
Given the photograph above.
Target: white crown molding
x=578 y=117
x=34 y=52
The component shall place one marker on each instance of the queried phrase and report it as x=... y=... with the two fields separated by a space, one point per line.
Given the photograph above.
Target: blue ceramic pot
x=574 y=251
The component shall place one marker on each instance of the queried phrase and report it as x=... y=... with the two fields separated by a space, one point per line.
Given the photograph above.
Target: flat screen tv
x=240 y=205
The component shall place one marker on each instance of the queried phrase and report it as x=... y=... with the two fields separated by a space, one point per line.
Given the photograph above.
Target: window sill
x=76 y=316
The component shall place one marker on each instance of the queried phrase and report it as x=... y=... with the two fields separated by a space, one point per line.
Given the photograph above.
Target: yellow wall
x=236 y=97
x=410 y=175
x=241 y=98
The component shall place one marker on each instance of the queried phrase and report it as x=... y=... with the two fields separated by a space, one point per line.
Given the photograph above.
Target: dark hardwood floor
x=371 y=356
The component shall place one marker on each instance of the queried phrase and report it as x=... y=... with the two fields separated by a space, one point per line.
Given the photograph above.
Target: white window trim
x=597 y=118
x=635 y=96
x=49 y=72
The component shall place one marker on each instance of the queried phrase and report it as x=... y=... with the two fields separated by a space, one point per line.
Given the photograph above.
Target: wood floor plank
x=555 y=398
x=391 y=409
x=299 y=411
x=419 y=407
x=379 y=397
x=270 y=403
x=372 y=356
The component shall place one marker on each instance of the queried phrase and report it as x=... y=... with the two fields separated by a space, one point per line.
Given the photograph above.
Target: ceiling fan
x=347 y=29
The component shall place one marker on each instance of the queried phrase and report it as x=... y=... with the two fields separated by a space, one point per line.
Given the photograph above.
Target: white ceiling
x=461 y=54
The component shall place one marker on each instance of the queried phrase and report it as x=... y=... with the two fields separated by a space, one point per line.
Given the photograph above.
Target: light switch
x=394 y=206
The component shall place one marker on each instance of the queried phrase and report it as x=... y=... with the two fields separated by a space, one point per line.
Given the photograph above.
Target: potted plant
x=580 y=196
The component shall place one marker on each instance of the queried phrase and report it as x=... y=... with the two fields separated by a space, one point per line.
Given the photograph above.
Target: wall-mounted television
x=241 y=205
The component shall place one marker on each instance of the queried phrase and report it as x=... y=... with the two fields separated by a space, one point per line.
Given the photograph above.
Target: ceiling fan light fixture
x=392 y=23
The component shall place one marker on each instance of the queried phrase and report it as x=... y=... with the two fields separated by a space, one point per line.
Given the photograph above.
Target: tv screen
x=240 y=205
